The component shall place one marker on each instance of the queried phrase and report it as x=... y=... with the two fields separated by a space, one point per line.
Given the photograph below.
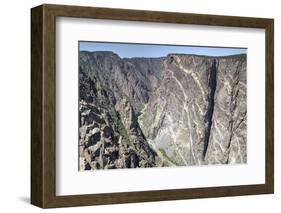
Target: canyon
x=177 y=110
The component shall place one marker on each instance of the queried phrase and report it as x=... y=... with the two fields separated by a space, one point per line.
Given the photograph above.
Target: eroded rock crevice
x=211 y=102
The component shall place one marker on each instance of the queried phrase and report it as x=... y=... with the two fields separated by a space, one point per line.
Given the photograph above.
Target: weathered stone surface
x=109 y=132
x=169 y=111
x=194 y=115
x=228 y=136
x=178 y=120
x=135 y=78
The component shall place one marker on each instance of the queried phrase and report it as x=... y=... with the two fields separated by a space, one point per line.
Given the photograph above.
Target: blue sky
x=127 y=50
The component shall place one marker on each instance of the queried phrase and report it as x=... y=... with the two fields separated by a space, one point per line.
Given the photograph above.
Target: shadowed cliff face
x=134 y=78
x=227 y=143
x=154 y=112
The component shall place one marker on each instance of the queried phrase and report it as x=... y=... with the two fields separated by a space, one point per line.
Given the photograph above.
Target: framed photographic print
x=136 y=106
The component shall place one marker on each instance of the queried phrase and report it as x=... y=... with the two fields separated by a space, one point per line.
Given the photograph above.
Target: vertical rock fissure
x=212 y=84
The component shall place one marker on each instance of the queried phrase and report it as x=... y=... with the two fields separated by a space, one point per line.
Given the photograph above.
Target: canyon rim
x=165 y=106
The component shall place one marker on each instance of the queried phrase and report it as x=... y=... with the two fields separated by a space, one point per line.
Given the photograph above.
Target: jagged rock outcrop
x=134 y=78
x=110 y=136
x=169 y=111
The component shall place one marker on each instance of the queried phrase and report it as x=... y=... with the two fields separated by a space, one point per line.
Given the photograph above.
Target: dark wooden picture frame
x=43 y=105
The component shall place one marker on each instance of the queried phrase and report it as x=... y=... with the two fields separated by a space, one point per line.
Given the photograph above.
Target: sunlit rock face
x=177 y=110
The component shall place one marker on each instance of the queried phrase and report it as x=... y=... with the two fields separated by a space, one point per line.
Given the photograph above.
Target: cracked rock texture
x=176 y=110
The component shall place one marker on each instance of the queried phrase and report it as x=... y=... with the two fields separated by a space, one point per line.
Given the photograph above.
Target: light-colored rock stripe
x=193 y=75
x=187 y=114
x=175 y=139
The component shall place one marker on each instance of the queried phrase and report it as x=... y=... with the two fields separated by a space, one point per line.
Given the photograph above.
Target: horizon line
x=137 y=50
x=188 y=54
